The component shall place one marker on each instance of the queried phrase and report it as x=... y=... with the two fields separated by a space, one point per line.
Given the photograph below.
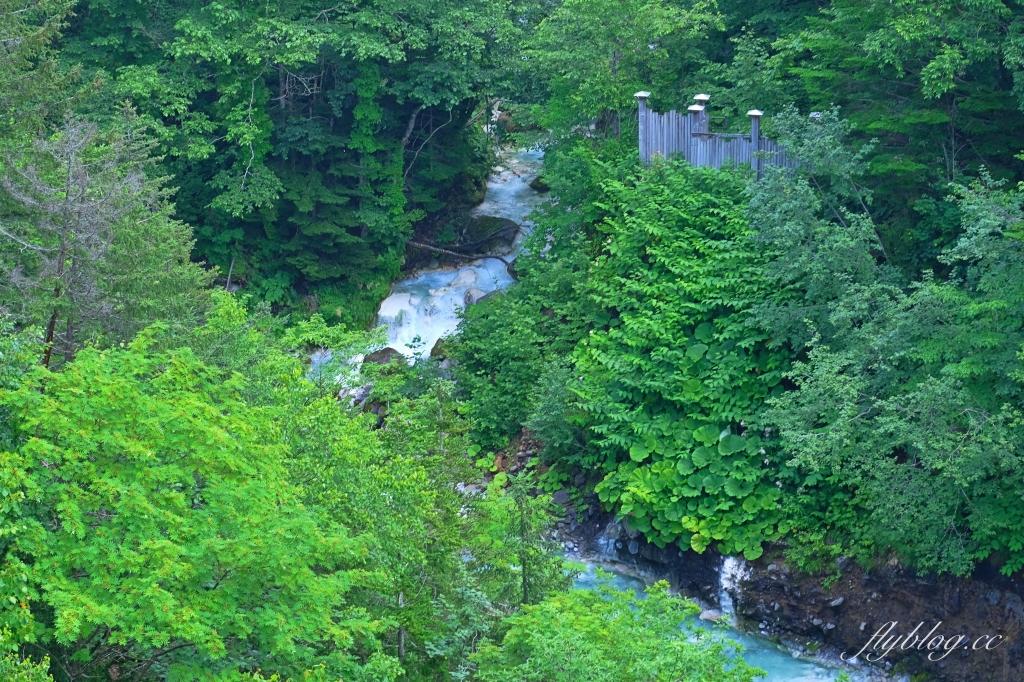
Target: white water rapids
x=425 y=307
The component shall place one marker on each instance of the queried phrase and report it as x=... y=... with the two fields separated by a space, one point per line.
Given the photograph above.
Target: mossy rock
x=486 y=228
x=538 y=185
x=382 y=356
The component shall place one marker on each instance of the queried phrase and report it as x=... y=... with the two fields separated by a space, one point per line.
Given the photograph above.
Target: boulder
x=487 y=232
x=473 y=295
x=438 y=350
x=382 y=356
x=467 y=277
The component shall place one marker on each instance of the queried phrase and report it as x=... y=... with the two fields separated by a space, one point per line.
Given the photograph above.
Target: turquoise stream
x=779 y=663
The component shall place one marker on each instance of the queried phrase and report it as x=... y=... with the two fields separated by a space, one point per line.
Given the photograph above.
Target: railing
x=688 y=135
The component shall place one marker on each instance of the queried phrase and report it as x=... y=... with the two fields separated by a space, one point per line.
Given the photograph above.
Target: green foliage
x=172 y=533
x=665 y=390
x=89 y=248
x=13 y=669
x=29 y=86
x=557 y=421
x=940 y=108
x=908 y=400
x=510 y=557
x=506 y=342
x=673 y=377
x=594 y=54
x=609 y=636
x=307 y=140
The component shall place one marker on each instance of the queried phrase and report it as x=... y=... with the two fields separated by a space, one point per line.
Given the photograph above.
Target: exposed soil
x=846 y=615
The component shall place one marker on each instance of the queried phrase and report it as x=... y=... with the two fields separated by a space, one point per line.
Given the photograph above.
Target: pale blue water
x=779 y=663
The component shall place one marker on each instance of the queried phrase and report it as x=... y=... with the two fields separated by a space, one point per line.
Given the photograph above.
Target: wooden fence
x=688 y=135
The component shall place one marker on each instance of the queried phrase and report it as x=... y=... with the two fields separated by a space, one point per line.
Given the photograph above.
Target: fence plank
x=687 y=134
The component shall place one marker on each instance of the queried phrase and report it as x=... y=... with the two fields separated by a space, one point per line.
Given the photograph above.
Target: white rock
x=473 y=295
x=466 y=277
x=394 y=305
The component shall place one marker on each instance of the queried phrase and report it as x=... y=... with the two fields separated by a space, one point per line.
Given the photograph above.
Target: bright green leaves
x=736 y=487
x=638 y=452
x=164 y=512
x=609 y=636
x=696 y=351
x=707 y=434
x=595 y=54
x=730 y=444
x=714 y=493
x=676 y=385
x=700 y=457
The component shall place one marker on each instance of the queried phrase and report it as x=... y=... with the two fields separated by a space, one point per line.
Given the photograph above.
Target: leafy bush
x=610 y=636
x=905 y=432
x=673 y=377
x=13 y=669
x=505 y=343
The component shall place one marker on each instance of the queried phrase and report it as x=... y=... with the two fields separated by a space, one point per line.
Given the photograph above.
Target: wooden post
x=695 y=145
x=645 y=143
x=755 y=140
x=702 y=100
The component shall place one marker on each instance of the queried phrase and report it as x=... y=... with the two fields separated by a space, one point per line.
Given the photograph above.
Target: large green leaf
x=730 y=444
x=738 y=487
x=707 y=434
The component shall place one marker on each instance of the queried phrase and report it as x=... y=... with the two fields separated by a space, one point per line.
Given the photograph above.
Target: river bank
x=779 y=604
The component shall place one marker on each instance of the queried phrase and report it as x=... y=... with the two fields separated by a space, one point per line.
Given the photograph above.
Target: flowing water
x=426 y=307
x=778 y=662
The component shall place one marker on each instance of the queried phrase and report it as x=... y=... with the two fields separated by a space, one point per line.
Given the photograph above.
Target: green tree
x=514 y=561
x=902 y=435
x=29 y=65
x=929 y=81
x=308 y=139
x=161 y=533
x=595 y=54
x=609 y=636
x=90 y=250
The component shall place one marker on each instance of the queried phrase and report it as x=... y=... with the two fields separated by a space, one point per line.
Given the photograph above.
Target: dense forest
x=198 y=197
